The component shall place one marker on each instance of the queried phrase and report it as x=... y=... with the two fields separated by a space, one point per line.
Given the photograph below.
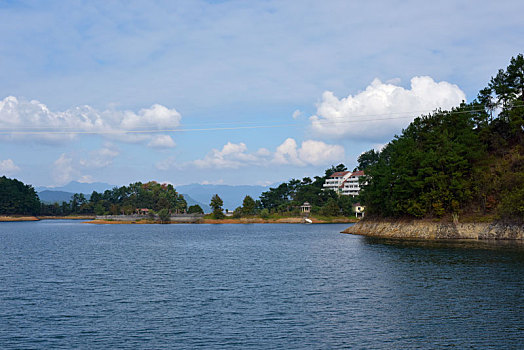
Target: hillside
x=466 y=162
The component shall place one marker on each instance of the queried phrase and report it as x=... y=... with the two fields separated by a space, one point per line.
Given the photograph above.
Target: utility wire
x=247 y=125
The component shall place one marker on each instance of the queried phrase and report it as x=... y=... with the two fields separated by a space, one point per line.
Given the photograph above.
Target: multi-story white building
x=345 y=183
x=335 y=181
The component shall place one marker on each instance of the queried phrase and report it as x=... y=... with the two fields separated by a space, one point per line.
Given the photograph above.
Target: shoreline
x=291 y=220
x=431 y=230
x=16 y=218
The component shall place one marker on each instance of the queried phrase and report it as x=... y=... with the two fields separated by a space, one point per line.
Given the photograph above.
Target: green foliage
x=449 y=162
x=331 y=208
x=248 y=206
x=195 y=209
x=216 y=204
x=16 y=198
x=286 y=198
x=123 y=200
x=264 y=213
x=164 y=215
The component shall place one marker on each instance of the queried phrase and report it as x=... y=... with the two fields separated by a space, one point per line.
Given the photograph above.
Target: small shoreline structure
x=431 y=230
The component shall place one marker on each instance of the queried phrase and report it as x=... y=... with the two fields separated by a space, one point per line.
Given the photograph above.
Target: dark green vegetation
x=289 y=196
x=464 y=162
x=216 y=204
x=17 y=198
x=122 y=200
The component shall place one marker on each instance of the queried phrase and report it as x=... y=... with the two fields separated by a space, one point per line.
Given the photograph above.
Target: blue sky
x=317 y=83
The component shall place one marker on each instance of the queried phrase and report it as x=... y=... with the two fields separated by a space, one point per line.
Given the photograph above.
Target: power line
x=342 y=120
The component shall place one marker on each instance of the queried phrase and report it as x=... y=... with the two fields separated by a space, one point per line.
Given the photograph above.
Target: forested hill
x=17 y=198
x=464 y=162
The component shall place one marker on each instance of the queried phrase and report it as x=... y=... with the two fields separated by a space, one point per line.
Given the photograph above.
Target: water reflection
x=498 y=245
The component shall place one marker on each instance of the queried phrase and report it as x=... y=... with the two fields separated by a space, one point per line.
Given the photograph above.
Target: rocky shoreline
x=430 y=230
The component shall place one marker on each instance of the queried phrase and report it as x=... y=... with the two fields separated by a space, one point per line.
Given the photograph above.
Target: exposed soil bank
x=18 y=218
x=421 y=229
x=38 y=218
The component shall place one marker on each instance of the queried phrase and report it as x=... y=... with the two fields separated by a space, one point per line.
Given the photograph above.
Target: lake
x=65 y=284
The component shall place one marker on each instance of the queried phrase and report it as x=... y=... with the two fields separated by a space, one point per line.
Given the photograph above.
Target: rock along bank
x=422 y=229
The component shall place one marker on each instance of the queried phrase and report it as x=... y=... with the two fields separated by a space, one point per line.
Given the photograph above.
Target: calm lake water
x=64 y=284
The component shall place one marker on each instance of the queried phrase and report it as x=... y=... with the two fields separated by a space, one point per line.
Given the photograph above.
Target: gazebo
x=305 y=208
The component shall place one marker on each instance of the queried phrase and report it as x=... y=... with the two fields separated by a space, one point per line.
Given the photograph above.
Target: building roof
x=339 y=173
x=358 y=173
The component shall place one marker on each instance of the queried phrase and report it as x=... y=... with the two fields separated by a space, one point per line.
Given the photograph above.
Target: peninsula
x=455 y=174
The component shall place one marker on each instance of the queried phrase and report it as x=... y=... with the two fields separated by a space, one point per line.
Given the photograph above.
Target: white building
x=345 y=183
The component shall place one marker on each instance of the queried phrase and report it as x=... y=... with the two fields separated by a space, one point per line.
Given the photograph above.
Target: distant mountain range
x=79 y=187
x=193 y=194
x=232 y=196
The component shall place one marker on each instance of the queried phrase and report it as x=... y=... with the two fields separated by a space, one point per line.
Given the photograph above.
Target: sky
x=231 y=92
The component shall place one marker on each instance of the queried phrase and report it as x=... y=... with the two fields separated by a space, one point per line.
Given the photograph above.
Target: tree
x=216 y=204
x=367 y=159
x=248 y=206
x=164 y=216
x=195 y=209
x=17 y=198
x=335 y=169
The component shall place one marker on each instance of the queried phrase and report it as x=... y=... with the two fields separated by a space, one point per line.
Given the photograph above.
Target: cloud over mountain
x=236 y=155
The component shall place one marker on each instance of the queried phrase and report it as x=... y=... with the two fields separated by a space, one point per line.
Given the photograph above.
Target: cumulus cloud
x=162 y=141
x=310 y=152
x=100 y=158
x=8 y=167
x=236 y=155
x=21 y=119
x=63 y=171
x=71 y=166
x=383 y=109
x=232 y=155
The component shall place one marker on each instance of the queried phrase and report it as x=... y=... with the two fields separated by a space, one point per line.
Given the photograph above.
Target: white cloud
x=287 y=153
x=22 y=119
x=391 y=108
x=319 y=153
x=297 y=114
x=63 y=171
x=72 y=166
x=311 y=152
x=86 y=179
x=162 y=141
x=8 y=167
x=100 y=158
x=165 y=164
x=234 y=155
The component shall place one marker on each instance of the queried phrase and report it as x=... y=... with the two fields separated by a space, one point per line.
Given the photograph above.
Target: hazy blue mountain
x=50 y=197
x=231 y=195
x=79 y=187
x=191 y=201
x=193 y=193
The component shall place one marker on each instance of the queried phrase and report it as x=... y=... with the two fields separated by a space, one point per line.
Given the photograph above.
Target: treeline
x=17 y=198
x=466 y=161
x=122 y=200
x=287 y=198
